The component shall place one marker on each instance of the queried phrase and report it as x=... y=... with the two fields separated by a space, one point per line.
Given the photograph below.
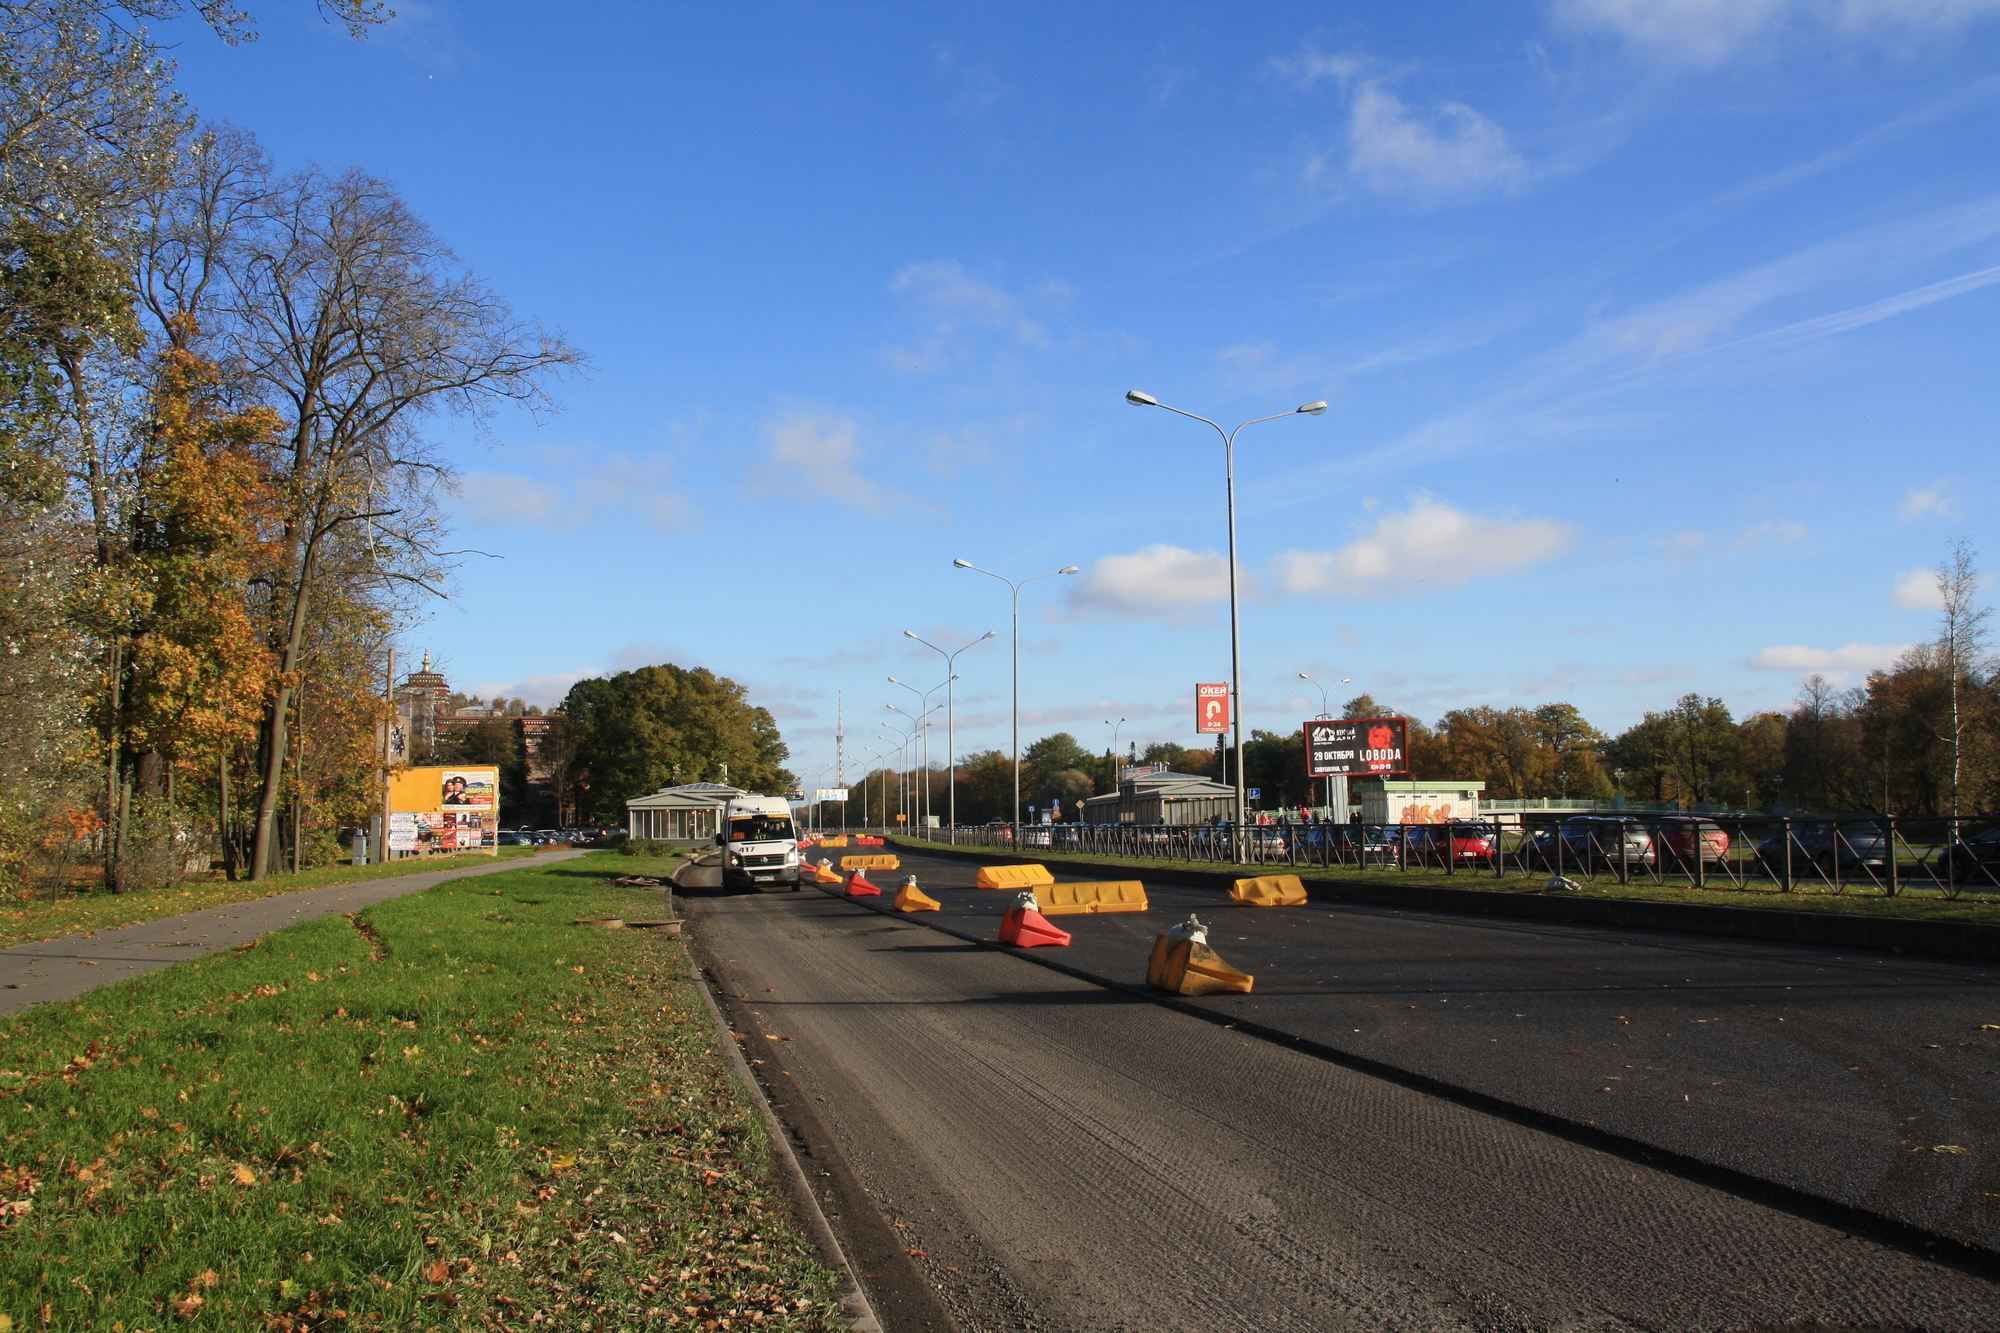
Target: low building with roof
x=691 y=812
x=1159 y=797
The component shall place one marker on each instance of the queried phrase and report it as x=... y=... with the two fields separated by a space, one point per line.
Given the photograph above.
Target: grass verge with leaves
x=24 y=920
x=453 y=1110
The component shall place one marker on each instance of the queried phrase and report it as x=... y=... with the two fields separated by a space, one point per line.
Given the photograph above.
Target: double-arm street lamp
x=1324 y=714
x=921 y=719
x=950 y=738
x=1116 y=727
x=1014 y=818
x=1314 y=409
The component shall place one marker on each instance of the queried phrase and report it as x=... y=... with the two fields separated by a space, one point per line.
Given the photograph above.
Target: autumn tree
x=659 y=726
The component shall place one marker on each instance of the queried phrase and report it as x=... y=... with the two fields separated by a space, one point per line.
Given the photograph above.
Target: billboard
x=1358 y=746
x=834 y=794
x=447 y=809
x=1211 y=709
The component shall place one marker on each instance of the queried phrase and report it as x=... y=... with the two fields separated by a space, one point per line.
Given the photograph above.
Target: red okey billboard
x=1211 y=708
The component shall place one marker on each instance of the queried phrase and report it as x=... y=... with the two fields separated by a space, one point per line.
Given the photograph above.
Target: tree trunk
x=276 y=732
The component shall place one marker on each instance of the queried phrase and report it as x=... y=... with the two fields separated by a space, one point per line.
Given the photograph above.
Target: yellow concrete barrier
x=1123 y=895
x=824 y=873
x=839 y=841
x=1014 y=877
x=910 y=898
x=1269 y=891
x=1190 y=967
x=877 y=861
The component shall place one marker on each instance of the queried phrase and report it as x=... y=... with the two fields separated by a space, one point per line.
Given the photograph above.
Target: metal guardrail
x=1884 y=855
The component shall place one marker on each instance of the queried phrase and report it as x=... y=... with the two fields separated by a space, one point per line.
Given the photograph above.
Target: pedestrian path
x=62 y=969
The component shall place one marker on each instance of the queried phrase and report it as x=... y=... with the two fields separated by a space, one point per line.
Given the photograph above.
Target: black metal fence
x=1884 y=855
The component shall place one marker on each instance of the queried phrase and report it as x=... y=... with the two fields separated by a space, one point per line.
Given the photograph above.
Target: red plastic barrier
x=1026 y=927
x=859 y=887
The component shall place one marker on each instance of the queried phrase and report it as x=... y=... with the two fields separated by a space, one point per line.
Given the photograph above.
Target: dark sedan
x=1825 y=847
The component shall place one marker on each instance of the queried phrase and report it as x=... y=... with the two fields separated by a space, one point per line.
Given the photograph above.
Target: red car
x=1675 y=838
x=1468 y=842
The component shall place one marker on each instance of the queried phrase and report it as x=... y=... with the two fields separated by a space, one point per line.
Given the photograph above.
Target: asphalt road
x=1063 y=1156
x=62 y=969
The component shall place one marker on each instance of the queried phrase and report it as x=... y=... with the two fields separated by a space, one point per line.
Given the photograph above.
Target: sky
x=1657 y=336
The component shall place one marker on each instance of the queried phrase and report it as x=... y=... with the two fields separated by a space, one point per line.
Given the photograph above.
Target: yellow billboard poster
x=444 y=810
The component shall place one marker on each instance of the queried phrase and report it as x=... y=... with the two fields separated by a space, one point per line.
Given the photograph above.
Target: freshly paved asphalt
x=65 y=968
x=1060 y=1155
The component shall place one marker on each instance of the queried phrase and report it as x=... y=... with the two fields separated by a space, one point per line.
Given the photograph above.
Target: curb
x=805 y=1204
x=1940 y=939
x=1908 y=1237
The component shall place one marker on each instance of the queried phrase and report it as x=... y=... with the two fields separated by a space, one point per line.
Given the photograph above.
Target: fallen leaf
x=1948 y=1147
x=916 y=1254
x=564 y=1162
x=438 y=1271
x=243 y=1176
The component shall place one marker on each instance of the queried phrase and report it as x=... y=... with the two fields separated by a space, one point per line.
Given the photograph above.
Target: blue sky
x=1658 y=337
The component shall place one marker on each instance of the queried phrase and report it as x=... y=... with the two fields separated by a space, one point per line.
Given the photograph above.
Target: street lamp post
x=1014 y=815
x=1325 y=714
x=921 y=744
x=1138 y=399
x=950 y=738
x=1116 y=727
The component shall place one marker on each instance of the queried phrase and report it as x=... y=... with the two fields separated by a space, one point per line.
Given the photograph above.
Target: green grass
x=1918 y=903
x=455 y=1110
x=24 y=919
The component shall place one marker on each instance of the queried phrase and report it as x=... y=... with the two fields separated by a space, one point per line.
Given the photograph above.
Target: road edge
x=805 y=1204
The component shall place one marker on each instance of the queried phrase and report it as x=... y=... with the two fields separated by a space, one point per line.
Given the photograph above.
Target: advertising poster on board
x=435 y=811
x=1356 y=747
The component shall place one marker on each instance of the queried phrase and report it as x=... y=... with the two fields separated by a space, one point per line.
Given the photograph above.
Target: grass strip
x=454 y=1110
x=1923 y=904
x=24 y=920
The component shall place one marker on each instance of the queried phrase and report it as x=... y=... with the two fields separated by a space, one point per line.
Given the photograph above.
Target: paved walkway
x=65 y=968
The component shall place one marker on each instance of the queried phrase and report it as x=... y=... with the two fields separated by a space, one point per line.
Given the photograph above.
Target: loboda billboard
x=1211 y=709
x=1357 y=746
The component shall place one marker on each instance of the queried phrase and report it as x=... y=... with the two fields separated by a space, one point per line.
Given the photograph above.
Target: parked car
x=1365 y=844
x=1975 y=859
x=1590 y=841
x=512 y=838
x=1824 y=846
x=1430 y=843
x=1677 y=837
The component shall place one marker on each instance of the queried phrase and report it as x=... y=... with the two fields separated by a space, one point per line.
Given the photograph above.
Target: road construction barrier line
x=1122 y=895
x=1269 y=891
x=1014 y=877
x=877 y=861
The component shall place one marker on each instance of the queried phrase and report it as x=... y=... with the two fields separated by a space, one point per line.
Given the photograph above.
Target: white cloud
x=1835 y=662
x=955 y=304
x=813 y=451
x=587 y=486
x=1772 y=530
x=1933 y=499
x=1683 y=543
x=545 y=689
x=1709 y=32
x=1428 y=546
x=1156 y=582
x=1917 y=590
x=1448 y=152
x=499 y=499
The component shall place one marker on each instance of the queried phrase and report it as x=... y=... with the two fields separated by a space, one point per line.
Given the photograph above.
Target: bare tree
x=358 y=322
x=1961 y=644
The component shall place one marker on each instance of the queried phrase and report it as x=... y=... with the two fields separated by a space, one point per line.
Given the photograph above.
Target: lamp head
x=894 y=681
x=1314 y=409
x=1137 y=399
x=987 y=635
x=961 y=564
x=1304 y=676
x=909 y=634
x=1067 y=569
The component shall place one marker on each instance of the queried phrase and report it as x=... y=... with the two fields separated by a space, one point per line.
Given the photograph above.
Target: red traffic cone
x=1025 y=926
x=859 y=887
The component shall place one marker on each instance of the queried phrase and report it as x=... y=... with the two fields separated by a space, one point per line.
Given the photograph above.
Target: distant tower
x=840 y=738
